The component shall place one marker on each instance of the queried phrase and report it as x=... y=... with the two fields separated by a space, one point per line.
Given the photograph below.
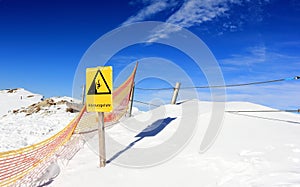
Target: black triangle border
x=101 y=93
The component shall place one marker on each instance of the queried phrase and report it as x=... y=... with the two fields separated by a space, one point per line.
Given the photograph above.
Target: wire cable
x=222 y=86
x=240 y=111
x=145 y=103
x=167 y=88
x=235 y=85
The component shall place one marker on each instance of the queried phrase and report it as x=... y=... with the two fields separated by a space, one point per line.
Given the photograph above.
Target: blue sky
x=42 y=42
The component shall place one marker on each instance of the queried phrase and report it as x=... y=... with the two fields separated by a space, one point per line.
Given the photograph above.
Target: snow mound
x=252 y=149
x=12 y=99
x=31 y=120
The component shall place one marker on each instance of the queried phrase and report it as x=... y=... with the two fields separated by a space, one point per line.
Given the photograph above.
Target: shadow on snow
x=150 y=131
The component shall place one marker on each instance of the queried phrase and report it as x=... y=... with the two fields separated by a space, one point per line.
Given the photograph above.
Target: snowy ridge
x=29 y=120
x=12 y=99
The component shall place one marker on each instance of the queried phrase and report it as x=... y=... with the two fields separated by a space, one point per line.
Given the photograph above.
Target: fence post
x=175 y=93
x=131 y=100
x=101 y=135
x=83 y=94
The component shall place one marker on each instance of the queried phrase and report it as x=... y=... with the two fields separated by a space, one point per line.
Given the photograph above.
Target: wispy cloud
x=151 y=8
x=257 y=55
x=266 y=62
x=189 y=13
x=195 y=12
x=251 y=55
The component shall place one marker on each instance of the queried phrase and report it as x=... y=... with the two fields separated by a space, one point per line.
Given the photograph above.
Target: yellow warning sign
x=99 y=89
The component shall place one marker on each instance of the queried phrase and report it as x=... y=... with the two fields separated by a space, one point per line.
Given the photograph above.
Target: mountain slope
x=28 y=120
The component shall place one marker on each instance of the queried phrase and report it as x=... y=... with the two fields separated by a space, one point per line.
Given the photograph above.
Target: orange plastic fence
x=25 y=165
x=17 y=163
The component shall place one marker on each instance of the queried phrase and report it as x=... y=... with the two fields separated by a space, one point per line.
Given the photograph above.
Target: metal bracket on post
x=131 y=101
x=101 y=134
x=175 y=93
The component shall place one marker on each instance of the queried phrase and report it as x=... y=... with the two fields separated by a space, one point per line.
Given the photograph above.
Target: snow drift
x=253 y=149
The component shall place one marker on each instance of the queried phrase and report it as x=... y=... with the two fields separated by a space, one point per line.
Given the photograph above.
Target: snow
x=252 y=149
x=17 y=99
x=19 y=129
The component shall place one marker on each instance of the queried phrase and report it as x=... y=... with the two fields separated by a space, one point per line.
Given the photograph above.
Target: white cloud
x=257 y=55
x=152 y=7
x=252 y=55
x=189 y=13
x=195 y=12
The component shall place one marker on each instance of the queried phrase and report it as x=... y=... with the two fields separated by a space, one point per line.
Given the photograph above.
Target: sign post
x=101 y=135
x=99 y=99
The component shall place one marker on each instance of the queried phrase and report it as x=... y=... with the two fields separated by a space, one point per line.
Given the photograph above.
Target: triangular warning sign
x=99 y=85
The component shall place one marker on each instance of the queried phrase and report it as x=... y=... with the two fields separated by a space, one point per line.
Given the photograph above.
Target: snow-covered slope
x=16 y=98
x=253 y=149
x=28 y=120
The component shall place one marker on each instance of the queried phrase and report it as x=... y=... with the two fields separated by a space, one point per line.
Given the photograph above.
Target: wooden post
x=83 y=94
x=101 y=134
x=175 y=93
x=131 y=101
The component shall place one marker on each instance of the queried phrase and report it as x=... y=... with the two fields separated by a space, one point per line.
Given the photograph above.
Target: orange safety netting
x=17 y=163
x=25 y=165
